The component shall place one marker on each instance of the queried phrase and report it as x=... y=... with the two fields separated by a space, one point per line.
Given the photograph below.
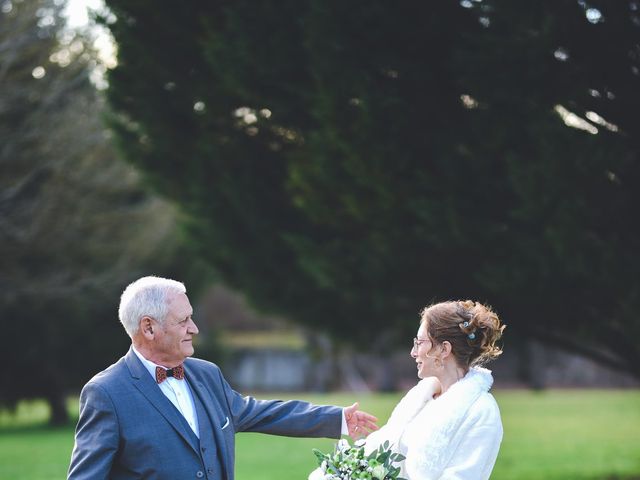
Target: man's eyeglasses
x=418 y=341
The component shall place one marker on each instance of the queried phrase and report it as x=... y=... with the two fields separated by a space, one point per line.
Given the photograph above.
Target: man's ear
x=147 y=327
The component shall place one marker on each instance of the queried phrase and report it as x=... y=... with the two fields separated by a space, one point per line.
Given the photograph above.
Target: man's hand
x=360 y=424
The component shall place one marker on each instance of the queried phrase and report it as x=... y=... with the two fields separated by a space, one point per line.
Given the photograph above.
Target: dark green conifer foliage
x=346 y=163
x=75 y=225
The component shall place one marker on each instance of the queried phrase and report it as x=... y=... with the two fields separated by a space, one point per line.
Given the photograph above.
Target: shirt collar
x=148 y=364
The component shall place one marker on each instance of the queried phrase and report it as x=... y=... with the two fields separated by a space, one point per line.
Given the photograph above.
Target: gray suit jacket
x=128 y=429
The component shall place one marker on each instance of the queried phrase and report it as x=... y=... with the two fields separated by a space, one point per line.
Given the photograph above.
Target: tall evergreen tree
x=75 y=226
x=347 y=163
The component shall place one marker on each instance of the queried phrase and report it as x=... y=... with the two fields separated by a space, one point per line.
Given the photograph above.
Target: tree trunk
x=352 y=380
x=59 y=414
x=324 y=375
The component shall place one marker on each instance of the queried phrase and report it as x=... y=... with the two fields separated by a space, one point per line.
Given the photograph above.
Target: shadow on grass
x=616 y=477
x=36 y=428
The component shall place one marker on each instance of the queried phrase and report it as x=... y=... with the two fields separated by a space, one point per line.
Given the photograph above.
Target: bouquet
x=350 y=463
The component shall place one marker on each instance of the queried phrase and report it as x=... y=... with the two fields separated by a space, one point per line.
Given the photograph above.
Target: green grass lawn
x=581 y=435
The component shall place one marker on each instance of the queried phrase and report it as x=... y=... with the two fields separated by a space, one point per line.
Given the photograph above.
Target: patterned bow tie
x=175 y=372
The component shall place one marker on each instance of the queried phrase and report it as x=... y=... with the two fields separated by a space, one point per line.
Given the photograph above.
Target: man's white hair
x=146 y=297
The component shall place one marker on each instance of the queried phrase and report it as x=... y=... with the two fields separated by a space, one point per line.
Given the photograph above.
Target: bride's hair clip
x=471 y=335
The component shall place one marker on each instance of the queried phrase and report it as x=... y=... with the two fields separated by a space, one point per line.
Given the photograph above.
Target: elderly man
x=158 y=414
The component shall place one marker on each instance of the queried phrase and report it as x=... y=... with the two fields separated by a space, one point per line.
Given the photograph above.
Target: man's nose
x=193 y=328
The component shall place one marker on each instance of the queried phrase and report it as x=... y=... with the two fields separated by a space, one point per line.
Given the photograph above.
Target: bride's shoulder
x=484 y=410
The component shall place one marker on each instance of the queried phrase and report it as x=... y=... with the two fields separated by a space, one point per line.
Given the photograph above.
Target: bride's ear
x=446 y=349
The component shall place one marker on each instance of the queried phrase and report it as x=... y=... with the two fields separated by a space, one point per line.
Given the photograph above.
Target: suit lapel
x=146 y=385
x=216 y=417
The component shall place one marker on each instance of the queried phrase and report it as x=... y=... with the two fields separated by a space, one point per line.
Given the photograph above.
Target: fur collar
x=437 y=423
x=427 y=426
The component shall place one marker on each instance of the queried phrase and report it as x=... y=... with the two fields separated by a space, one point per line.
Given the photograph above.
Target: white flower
x=379 y=472
x=347 y=461
x=317 y=474
x=343 y=445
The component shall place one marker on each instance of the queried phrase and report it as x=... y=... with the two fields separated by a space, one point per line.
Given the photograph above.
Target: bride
x=448 y=426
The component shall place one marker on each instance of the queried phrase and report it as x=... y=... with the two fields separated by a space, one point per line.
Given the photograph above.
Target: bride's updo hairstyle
x=471 y=328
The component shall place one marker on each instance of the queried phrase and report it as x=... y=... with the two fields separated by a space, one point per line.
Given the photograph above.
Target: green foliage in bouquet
x=350 y=463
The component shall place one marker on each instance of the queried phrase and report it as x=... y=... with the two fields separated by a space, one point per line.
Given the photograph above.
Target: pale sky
x=77 y=15
x=76 y=11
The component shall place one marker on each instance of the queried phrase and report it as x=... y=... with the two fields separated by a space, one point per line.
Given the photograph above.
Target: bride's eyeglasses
x=418 y=341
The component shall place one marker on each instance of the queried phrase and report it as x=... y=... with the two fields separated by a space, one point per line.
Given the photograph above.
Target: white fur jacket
x=456 y=436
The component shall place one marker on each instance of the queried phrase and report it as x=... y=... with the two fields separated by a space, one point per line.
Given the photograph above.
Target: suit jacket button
x=199 y=474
